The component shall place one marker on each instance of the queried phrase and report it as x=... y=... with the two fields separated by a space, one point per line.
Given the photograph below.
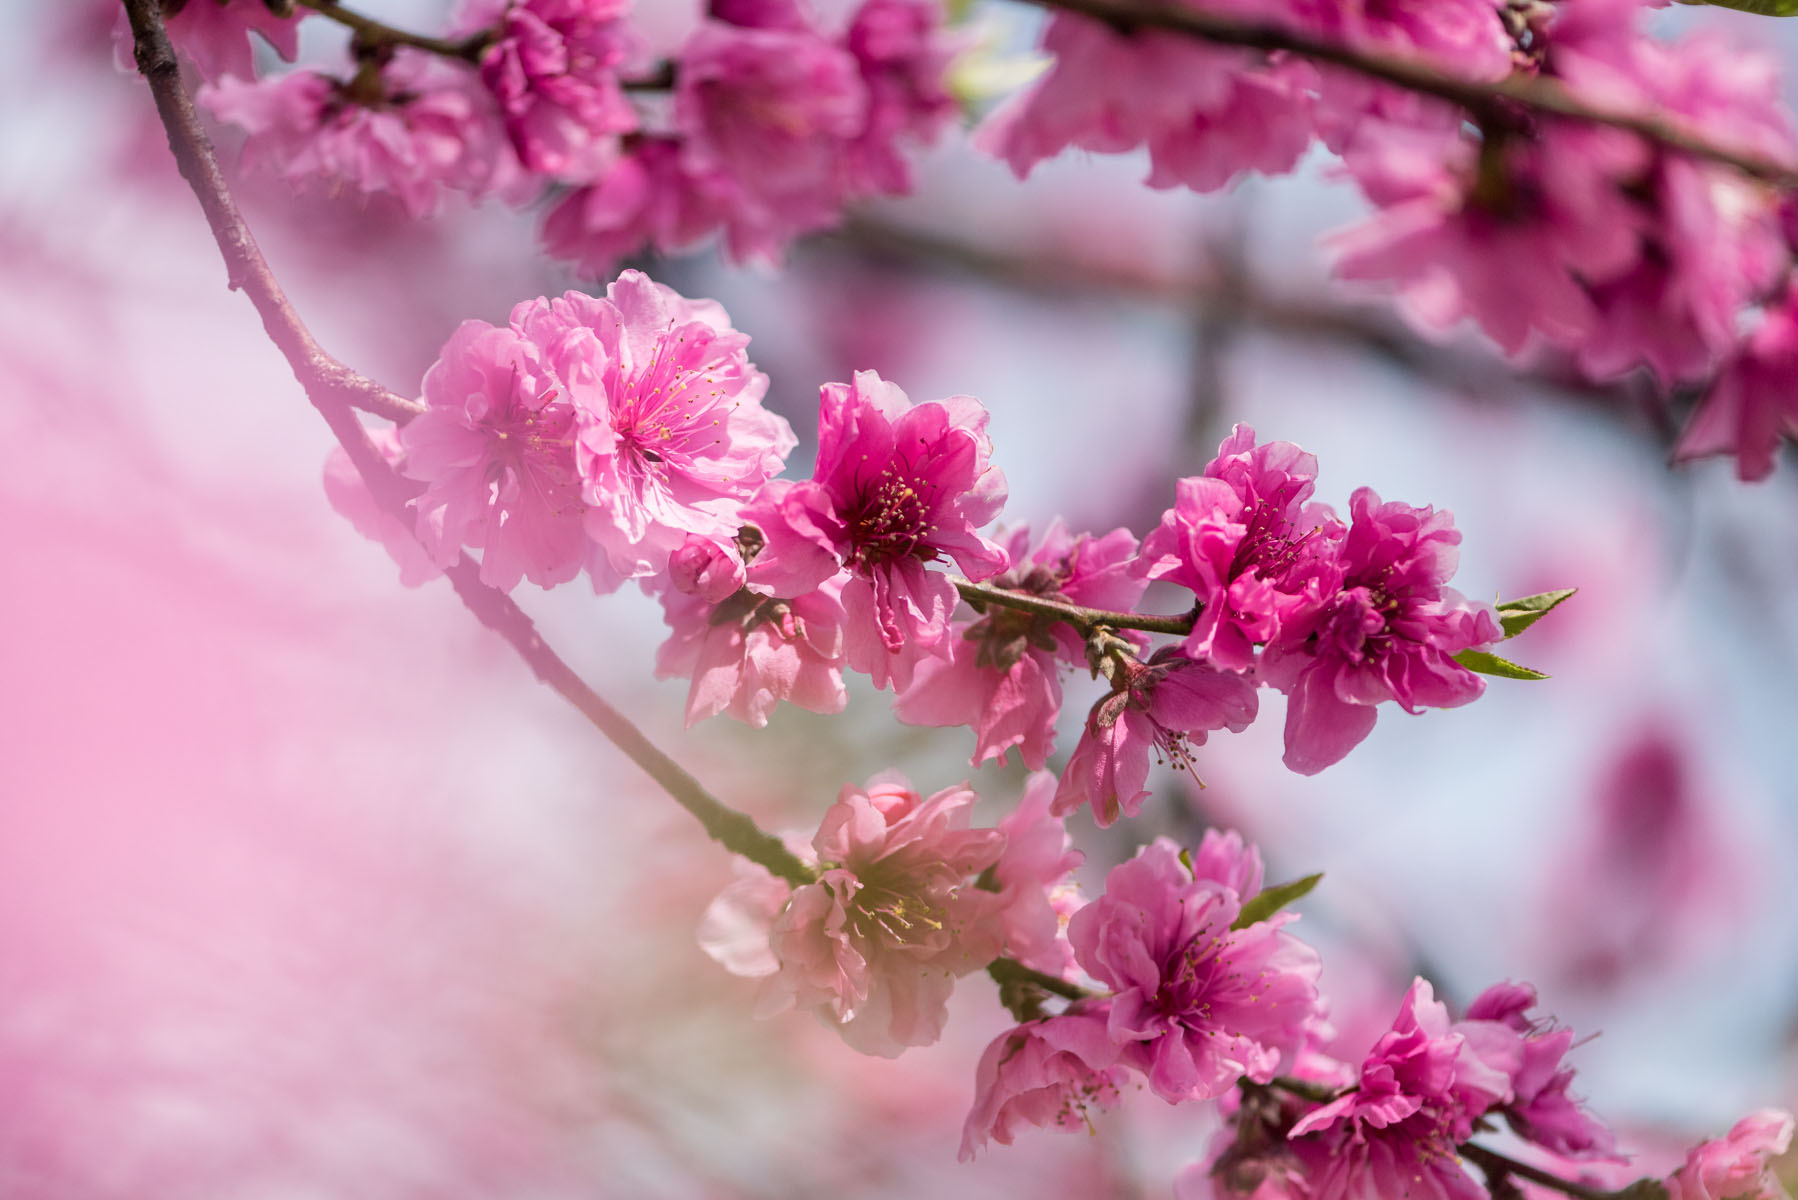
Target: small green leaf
x=1492 y=664
x=1273 y=899
x=1765 y=8
x=1518 y=615
x=1186 y=860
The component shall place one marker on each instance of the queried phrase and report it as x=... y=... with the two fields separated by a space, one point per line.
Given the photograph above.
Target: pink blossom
x=1736 y=1167
x=1241 y=537
x=1420 y=1091
x=1530 y=1051
x=495 y=450
x=1388 y=630
x=748 y=651
x=896 y=486
x=422 y=131
x=1206 y=113
x=350 y=496
x=1001 y=674
x=1163 y=707
x=1032 y=877
x=674 y=437
x=1198 y=1005
x=1752 y=404
x=875 y=945
x=551 y=65
x=904 y=54
x=1055 y=1072
x=644 y=199
x=767 y=114
x=215 y=34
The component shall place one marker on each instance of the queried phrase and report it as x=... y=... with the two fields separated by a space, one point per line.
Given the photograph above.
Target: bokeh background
x=307 y=890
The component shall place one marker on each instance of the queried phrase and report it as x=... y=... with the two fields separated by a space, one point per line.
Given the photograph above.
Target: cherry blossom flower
x=1035 y=895
x=904 y=57
x=1530 y=1051
x=215 y=35
x=1001 y=674
x=896 y=486
x=1389 y=630
x=1198 y=1005
x=1163 y=707
x=1242 y=538
x=874 y=946
x=552 y=66
x=675 y=438
x=420 y=131
x=1054 y=1072
x=645 y=198
x=1752 y=404
x=1735 y=1167
x=350 y=496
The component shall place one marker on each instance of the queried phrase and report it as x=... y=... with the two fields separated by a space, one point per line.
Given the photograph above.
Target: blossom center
x=891 y=520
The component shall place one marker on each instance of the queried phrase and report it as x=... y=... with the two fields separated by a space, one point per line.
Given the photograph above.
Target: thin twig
x=1008 y=971
x=1480 y=99
x=379 y=33
x=1078 y=615
x=1494 y=1163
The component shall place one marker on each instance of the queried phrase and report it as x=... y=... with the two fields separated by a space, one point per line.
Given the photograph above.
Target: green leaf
x=1186 y=860
x=1492 y=664
x=1273 y=899
x=1518 y=615
x=1765 y=8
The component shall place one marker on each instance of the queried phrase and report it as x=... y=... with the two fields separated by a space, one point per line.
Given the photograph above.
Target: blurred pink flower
x=1751 y=406
x=1033 y=879
x=215 y=35
x=1735 y=1167
x=350 y=496
x=644 y=199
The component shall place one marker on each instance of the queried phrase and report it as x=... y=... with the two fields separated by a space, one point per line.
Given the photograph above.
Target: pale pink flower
x=1421 y=1089
x=1055 y=1072
x=552 y=66
x=215 y=35
x=674 y=437
x=1752 y=405
x=1529 y=1050
x=896 y=486
x=767 y=114
x=495 y=450
x=1206 y=113
x=1198 y=1005
x=1736 y=1166
x=875 y=945
x=1032 y=878
x=350 y=496
x=1388 y=630
x=644 y=199
x=1242 y=538
x=1161 y=708
x=748 y=651
x=424 y=130
x=1001 y=674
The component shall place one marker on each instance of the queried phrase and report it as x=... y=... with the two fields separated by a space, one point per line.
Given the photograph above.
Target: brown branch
x=1078 y=615
x=371 y=32
x=1480 y=99
x=1495 y=1164
x=333 y=389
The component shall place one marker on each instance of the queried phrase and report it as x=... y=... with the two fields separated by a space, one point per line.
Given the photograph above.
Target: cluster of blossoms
x=625 y=437
x=1544 y=231
x=762 y=123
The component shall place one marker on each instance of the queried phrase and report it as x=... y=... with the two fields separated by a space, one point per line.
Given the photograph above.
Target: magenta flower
x=1388 y=631
x=1164 y=708
x=1752 y=405
x=1206 y=113
x=1001 y=674
x=904 y=55
x=1242 y=538
x=1198 y=1005
x=896 y=486
x=552 y=67
x=495 y=451
x=350 y=496
x=644 y=199
x=875 y=945
x=215 y=34
x=1736 y=1167
x=424 y=131
x=674 y=437
x=1035 y=893
x=1529 y=1052
x=1054 y=1072
x=746 y=652
x=767 y=113
x=1421 y=1090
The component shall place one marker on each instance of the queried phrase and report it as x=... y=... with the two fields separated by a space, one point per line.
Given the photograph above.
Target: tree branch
x=1495 y=1164
x=378 y=33
x=1480 y=99
x=1082 y=618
